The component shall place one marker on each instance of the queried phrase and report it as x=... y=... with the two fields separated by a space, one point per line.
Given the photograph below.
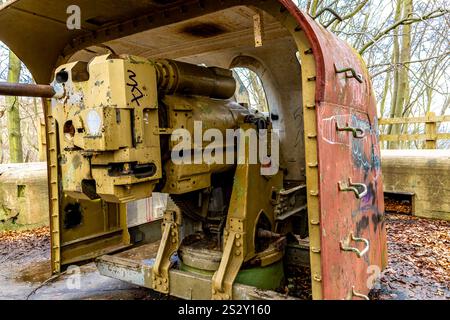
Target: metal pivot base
x=184 y=285
x=170 y=242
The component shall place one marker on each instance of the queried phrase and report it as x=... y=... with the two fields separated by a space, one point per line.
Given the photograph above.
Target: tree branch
x=405 y=21
x=410 y=62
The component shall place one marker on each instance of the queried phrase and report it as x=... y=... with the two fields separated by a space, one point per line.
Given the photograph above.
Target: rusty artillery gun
x=228 y=229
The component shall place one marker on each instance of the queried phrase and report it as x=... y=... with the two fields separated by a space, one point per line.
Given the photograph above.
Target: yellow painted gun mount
x=116 y=116
x=116 y=124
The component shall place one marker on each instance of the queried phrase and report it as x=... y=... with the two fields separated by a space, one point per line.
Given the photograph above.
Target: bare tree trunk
x=1 y=147
x=395 y=61
x=308 y=5
x=403 y=77
x=314 y=6
x=13 y=106
x=387 y=83
x=259 y=92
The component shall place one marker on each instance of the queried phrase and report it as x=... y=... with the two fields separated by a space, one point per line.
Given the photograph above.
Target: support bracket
x=170 y=243
x=232 y=260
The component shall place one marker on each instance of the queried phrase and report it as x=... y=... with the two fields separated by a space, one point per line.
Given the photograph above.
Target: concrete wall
x=23 y=196
x=426 y=173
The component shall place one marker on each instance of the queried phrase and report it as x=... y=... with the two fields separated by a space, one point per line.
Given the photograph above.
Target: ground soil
x=419 y=257
x=419 y=266
x=25 y=268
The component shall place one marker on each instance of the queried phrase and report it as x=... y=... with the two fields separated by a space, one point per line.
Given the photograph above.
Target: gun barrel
x=189 y=79
x=26 y=90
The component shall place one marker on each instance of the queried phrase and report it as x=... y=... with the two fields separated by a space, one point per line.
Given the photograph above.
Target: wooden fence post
x=431 y=131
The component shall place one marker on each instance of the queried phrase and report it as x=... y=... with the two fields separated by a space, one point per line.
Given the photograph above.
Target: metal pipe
x=26 y=90
x=173 y=77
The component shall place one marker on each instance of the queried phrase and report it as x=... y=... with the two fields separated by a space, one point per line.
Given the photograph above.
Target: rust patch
x=76 y=162
x=204 y=30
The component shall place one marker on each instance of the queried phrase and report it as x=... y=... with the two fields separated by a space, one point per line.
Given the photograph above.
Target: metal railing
x=430 y=136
